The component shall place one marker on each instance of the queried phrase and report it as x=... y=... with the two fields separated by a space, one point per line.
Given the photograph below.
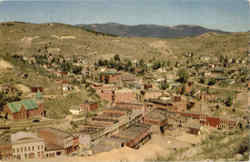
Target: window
x=38 y=147
x=29 y=148
x=33 y=148
x=13 y=150
x=17 y=149
x=21 y=149
x=25 y=148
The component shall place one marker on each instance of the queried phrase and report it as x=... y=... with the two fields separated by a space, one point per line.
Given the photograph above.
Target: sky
x=228 y=15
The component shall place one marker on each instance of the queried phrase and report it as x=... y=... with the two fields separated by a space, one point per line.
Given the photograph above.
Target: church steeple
x=39 y=96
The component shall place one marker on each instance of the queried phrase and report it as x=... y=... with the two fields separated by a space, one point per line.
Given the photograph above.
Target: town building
x=89 y=106
x=58 y=142
x=24 y=109
x=27 y=146
x=75 y=110
x=127 y=95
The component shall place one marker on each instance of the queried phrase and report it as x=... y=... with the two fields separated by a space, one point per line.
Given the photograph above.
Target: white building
x=27 y=146
x=75 y=110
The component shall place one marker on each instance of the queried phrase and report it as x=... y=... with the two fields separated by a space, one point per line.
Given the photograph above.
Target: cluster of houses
x=135 y=106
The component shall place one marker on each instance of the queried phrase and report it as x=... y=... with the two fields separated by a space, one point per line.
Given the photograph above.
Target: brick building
x=24 y=109
x=89 y=106
x=27 y=146
x=123 y=95
x=36 y=89
x=58 y=142
x=107 y=94
x=129 y=105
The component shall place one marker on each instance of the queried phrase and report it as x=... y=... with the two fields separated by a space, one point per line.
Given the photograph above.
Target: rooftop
x=133 y=131
x=157 y=114
x=28 y=104
x=56 y=131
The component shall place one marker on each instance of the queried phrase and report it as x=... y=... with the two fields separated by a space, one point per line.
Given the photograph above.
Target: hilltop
x=149 y=30
x=67 y=40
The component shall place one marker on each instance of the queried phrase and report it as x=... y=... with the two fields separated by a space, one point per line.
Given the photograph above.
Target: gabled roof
x=28 y=104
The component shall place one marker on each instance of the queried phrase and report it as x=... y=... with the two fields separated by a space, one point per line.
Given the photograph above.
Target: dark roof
x=58 y=132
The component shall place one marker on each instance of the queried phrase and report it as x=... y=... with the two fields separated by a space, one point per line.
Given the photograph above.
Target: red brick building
x=89 y=106
x=57 y=140
x=107 y=95
x=212 y=121
x=24 y=109
x=128 y=105
x=36 y=89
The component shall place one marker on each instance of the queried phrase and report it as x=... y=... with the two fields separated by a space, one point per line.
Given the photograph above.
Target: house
x=66 y=86
x=152 y=95
x=24 y=109
x=89 y=106
x=75 y=110
x=5 y=147
x=58 y=142
x=27 y=145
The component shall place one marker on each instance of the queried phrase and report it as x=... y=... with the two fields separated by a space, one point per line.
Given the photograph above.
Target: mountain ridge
x=150 y=30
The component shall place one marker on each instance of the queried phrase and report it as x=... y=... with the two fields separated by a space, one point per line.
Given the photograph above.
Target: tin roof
x=28 y=104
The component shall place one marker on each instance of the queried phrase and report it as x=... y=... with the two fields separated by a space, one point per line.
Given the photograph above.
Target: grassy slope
x=94 y=46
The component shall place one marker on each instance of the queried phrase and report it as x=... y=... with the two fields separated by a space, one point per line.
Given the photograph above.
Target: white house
x=75 y=110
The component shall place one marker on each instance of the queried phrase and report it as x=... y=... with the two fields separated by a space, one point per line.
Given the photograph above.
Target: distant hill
x=155 y=31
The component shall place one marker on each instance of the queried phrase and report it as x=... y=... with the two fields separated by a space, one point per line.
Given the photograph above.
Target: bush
x=229 y=101
x=183 y=76
x=211 y=81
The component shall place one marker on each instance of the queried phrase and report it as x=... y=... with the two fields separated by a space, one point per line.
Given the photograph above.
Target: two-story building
x=27 y=145
x=24 y=109
x=58 y=142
